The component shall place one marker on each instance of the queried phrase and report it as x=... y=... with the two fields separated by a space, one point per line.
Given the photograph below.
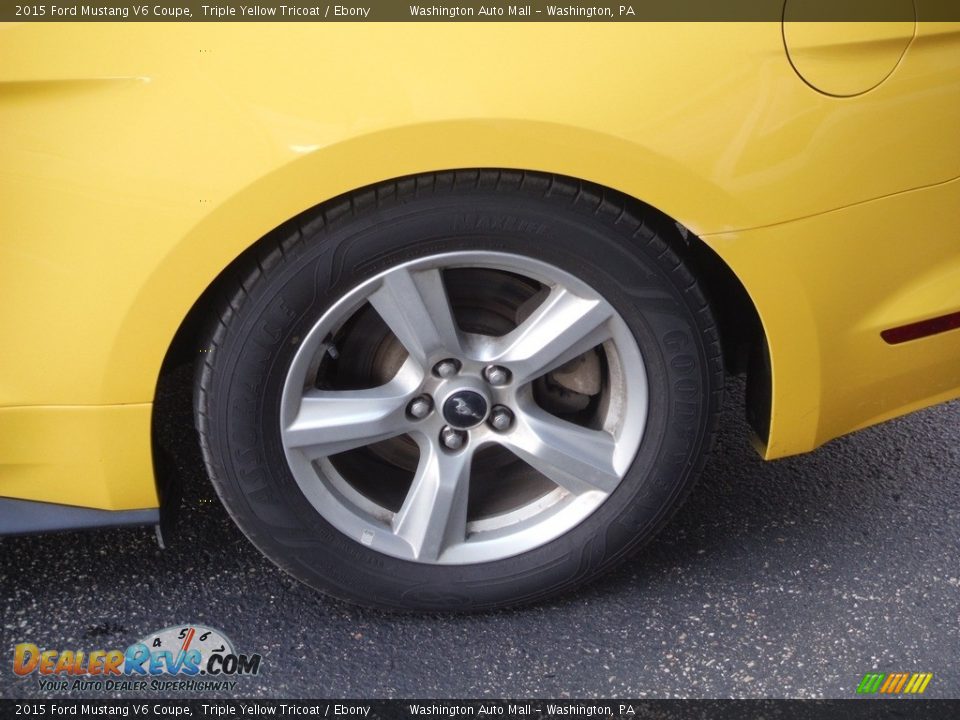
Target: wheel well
x=741 y=334
x=742 y=339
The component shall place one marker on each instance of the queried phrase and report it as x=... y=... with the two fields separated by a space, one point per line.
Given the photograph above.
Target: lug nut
x=446 y=368
x=496 y=375
x=452 y=439
x=501 y=418
x=420 y=407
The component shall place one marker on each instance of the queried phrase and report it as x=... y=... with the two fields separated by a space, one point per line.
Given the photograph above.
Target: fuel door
x=847 y=47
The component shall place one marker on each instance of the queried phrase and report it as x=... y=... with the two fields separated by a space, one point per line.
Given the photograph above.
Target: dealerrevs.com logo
x=186 y=657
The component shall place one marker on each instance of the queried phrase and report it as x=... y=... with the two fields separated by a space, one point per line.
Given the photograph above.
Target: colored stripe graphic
x=891 y=679
x=870 y=683
x=901 y=681
x=894 y=683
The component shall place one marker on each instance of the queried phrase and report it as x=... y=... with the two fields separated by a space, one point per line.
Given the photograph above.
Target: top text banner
x=492 y=11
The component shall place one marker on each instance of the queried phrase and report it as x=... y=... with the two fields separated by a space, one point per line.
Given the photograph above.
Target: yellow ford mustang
x=461 y=298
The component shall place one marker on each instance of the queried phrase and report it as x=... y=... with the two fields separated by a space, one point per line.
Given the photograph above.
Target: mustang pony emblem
x=462 y=407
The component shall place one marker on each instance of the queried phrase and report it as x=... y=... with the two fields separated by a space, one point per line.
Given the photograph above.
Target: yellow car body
x=138 y=161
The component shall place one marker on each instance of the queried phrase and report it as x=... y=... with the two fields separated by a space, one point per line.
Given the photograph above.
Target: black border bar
x=478 y=11
x=448 y=709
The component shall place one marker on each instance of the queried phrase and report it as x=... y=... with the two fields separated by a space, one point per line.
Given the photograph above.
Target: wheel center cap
x=465 y=409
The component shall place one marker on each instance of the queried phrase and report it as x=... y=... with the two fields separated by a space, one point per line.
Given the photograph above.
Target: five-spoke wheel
x=459 y=391
x=555 y=400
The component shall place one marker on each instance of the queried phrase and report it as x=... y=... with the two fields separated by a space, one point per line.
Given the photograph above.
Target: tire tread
x=634 y=222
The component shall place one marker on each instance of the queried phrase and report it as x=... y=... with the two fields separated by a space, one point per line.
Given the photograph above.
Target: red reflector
x=922 y=329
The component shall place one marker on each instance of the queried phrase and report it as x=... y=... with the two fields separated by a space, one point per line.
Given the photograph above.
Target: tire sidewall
x=628 y=269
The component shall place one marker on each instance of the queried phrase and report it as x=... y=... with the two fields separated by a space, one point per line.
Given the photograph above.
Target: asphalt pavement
x=784 y=579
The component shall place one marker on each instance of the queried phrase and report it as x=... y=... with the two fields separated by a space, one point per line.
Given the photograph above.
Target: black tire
x=283 y=285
